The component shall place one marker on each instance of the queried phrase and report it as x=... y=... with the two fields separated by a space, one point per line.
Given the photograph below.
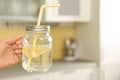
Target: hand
x=10 y=51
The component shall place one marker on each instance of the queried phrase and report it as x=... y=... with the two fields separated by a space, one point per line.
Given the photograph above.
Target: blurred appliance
x=70 y=49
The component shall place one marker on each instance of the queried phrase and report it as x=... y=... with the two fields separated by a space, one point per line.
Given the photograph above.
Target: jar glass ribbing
x=37 y=47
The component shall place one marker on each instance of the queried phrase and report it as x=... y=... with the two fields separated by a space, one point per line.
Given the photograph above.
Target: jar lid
x=38 y=28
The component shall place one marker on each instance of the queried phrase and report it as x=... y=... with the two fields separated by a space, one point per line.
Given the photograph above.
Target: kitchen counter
x=17 y=70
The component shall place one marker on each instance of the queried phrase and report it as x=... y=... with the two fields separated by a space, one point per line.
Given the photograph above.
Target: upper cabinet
x=19 y=10
x=28 y=10
x=70 y=11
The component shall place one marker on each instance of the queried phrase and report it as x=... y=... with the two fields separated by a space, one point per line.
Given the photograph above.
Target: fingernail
x=18 y=51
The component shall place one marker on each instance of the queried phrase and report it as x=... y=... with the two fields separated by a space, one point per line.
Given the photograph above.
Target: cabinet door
x=70 y=11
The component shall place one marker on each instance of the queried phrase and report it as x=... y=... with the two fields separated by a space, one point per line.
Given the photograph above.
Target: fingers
x=14 y=46
x=17 y=46
x=17 y=51
x=19 y=41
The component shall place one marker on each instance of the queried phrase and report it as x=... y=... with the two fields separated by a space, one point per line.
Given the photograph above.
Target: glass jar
x=37 y=47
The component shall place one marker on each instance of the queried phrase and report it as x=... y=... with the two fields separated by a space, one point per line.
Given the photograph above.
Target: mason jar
x=37 y=47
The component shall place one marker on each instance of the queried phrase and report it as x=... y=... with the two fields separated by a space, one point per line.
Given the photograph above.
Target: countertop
x=17 y=69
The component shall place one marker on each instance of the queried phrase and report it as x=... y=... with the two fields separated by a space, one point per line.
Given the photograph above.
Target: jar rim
x=37 y=28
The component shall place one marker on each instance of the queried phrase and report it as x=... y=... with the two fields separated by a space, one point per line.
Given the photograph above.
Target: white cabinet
x=27 y=10
x=19 y=10
x=70 y=11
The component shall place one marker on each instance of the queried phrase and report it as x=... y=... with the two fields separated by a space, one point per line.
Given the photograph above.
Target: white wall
x=110 y=32
x=110 y=40
x=88 y=35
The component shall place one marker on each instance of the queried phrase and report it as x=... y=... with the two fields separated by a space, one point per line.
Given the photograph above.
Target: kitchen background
x=76 y=22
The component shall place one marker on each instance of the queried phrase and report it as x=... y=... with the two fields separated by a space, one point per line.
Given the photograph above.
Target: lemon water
x=37 y=58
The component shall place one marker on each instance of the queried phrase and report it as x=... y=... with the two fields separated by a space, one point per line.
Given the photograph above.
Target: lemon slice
x=35 y=52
